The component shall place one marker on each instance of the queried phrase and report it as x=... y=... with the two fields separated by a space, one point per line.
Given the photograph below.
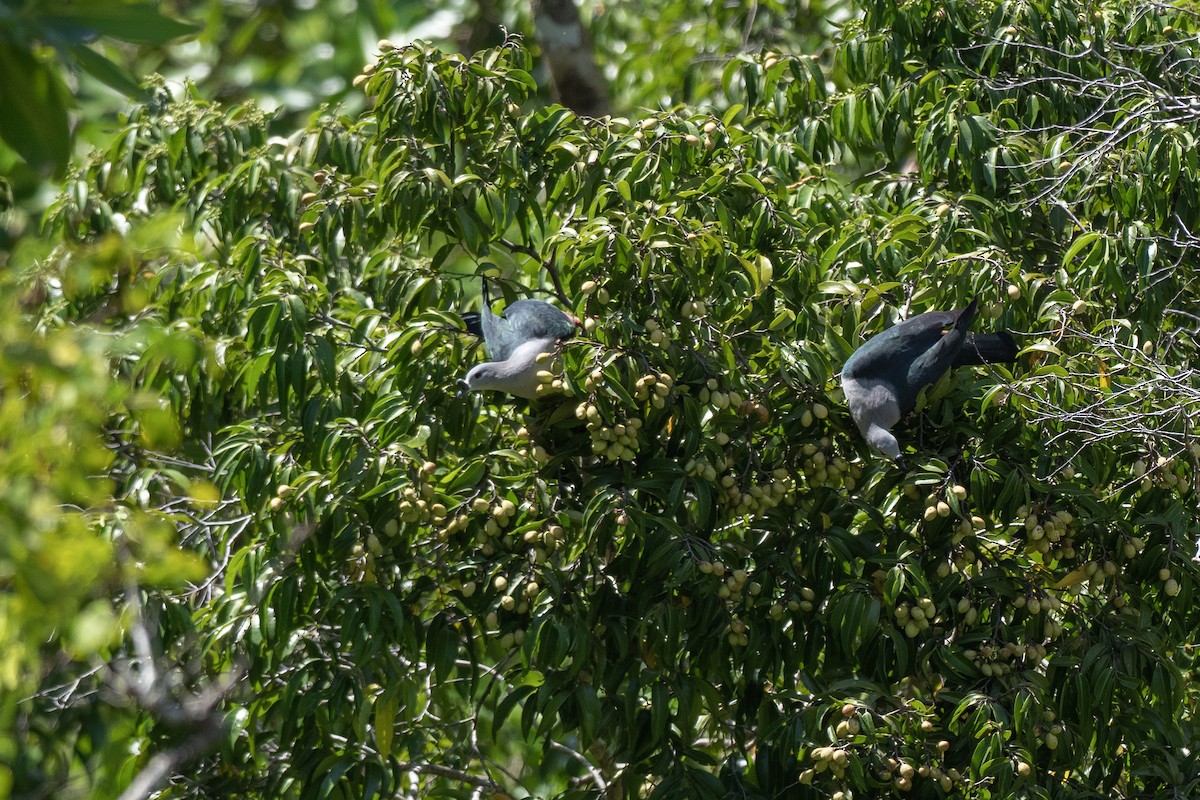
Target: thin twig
x=546 y=264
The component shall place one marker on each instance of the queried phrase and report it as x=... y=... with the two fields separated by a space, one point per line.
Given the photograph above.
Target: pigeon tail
x=473 y=322
x=987 y=348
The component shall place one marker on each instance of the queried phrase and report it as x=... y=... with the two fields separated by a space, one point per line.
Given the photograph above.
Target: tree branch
x=546 y=264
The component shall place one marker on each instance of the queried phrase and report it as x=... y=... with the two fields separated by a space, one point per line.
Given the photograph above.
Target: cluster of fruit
x=616 y=442
x=654 y=388
x=418 y=505
x=759 y=496
x=500 y=515
x=821 y=468
x=1051 y=534
x=995 y=661
x=1164 y=471
x=550 y=376
x=915 y=617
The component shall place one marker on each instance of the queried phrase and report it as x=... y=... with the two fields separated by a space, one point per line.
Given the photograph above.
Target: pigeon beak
x=463 y=389
x=902 y=463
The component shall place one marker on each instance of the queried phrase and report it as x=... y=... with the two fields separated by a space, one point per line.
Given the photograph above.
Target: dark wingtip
x=987 y=348
x=967 y=313
x=1009 y=346
x=473 y=322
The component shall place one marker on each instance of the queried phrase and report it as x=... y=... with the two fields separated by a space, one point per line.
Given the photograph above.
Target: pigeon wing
x=523 y=321
x=940 y=355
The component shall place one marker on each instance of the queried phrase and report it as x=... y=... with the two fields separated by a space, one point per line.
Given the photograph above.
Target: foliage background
x=255 y=546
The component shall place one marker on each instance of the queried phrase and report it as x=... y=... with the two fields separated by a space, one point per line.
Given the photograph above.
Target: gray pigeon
x=513 y=341
x=883 y=376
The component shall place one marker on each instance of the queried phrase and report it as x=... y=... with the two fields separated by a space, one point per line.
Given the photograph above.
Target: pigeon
x=513 y=341
x=883 y=376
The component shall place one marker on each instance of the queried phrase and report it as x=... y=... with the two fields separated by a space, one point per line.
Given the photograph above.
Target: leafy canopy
x=682 y=574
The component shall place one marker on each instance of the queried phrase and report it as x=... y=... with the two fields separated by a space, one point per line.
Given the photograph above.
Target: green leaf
x=33 y=109
x=386 y=707
x=1078 y=245
x=139 y=23
x=108 y=72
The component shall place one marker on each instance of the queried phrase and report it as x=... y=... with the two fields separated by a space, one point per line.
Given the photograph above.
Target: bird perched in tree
x=514 y=340
x=883 y=376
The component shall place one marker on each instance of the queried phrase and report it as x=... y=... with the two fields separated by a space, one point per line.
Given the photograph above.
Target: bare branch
x=546 y=264
x=169 y=762
x=157 y=692
x=597 y=778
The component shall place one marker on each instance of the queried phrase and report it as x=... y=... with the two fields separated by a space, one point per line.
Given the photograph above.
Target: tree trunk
x=577 y=82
